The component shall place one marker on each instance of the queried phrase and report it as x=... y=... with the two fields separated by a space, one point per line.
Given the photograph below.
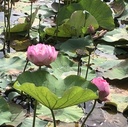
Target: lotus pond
x=91 y=40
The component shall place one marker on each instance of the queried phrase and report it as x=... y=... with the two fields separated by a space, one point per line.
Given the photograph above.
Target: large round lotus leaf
x=54 y=93
x=57 y=86
x=76 y=25
x=97 y=8
x=72 y=96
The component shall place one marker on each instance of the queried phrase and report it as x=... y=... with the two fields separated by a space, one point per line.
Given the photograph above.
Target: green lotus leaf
x=73 y=44
x=120 y=99
x=76 y=25
x=72 y=96
x=116 y=35
x=56 y=85
x=96 y=8
x=10 y=113
x=63 y=66
x=7 y=64
x=29 y=121
x=5 y=114
x=80 y=21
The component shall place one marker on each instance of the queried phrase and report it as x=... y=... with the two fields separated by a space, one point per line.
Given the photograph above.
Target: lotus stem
x=39 y=27
x=89 y=113
x=25 y=65
x=34 y=115
x=79 y=66
x=8 y=26
x=53 y=116
x=86 y=75
x=30 y=19
x=39 y=67
x=57 y=24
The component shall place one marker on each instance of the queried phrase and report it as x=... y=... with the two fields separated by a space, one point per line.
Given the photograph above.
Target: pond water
x=14 y=17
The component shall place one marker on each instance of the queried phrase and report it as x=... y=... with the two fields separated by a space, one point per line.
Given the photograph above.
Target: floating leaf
x=120 y=99
x=73 y=44
x=18 y=115
x=11 y=114
x=65 y=114
x=117 y=72
x=5 y=114
x=29 y=121
x=62 y=66
x=116 y=35
x=7 y=64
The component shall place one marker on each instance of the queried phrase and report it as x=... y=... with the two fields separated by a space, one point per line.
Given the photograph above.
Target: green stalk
x=89 y=114
x=25 y=65
x=57 y=25
x=79 y=69
x=8 y=26
x=79 y=65
x=30 y=19
x=39 y=67
x=39 y=28
x=5 y=28
x=53 y=116
x=86 y=75
x=34 y=115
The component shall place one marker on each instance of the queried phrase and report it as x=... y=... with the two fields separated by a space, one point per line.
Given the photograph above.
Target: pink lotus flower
x=41 y=54
x=103 y=87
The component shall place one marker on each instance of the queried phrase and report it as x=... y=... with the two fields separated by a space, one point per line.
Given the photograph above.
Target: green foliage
x=10 y=113
x=96 y=8
x=76 y=25
x=59 y=87
x=72 y=96
x=28 y=122
x=65 y=114
x=72 y=45
x=5 y=114
x=121 y=101
x=117 y=34
x=7 y=64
